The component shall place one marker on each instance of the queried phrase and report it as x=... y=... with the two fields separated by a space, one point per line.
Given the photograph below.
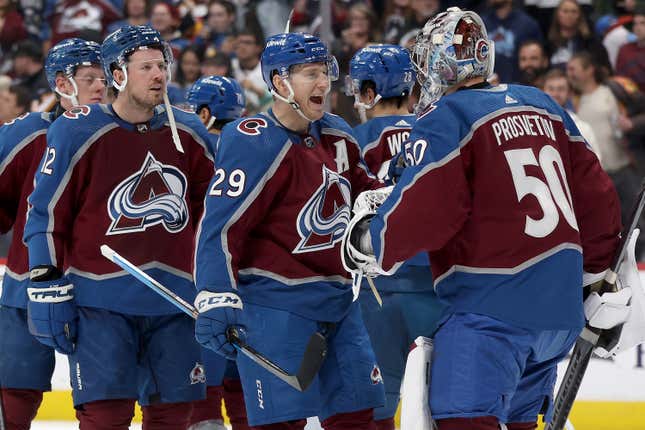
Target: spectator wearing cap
x=165 y=19
x=14 y=101
x=28 y=69
x=135 y=12
x=631 y=57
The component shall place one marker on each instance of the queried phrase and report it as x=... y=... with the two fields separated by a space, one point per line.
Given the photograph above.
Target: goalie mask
x=451 y=48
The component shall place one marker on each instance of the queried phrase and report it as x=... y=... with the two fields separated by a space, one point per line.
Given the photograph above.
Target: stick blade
x=312 y=360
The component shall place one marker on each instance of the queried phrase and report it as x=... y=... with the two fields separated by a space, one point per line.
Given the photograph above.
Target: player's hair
x=218 y=124
x=397 y=101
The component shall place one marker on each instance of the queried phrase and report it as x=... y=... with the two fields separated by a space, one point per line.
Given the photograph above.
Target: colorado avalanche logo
x=324 y=218
x=153 y=195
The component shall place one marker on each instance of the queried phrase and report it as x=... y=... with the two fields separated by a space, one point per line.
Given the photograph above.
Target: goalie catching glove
x=218 y=313
x=626 y=306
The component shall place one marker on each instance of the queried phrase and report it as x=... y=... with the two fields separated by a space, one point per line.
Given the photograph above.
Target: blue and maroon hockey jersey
x=276 y=212
x=508 y=198
x=22 y=142
x=103 y=180
x=381 y=139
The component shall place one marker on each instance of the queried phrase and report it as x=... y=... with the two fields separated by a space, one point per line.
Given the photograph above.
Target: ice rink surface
x=312 y=424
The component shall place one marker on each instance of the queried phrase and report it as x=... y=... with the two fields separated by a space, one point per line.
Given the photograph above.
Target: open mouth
x=317 y=100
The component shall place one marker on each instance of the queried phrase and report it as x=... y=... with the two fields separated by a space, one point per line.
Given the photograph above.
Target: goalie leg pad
x=415 y=388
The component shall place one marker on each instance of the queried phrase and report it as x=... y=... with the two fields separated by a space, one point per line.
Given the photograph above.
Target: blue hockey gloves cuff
x=217 y=313
x=52 y=313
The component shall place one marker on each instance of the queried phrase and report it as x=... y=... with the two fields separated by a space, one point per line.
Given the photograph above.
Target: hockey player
x=381 y=78
x=74 y=72
x=112 y=175
x=504 y=193
x=218 y=100
x=268 y=247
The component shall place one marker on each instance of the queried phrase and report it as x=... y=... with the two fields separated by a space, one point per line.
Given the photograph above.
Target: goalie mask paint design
x=153 y=195
x=452 y=47
x=324 y=218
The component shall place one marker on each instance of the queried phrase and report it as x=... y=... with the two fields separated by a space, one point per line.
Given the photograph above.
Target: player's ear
x=280 y=86
x=371 y=95
x=204 y=114
x=118 y=76
x=63 y=84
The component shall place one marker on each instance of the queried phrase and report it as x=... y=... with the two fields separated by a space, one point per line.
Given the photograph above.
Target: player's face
x=90 y=81
x=310 y=83
x=558 y=88
x=147 y=74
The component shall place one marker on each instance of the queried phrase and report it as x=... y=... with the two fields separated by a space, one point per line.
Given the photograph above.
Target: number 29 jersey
x=510 y=201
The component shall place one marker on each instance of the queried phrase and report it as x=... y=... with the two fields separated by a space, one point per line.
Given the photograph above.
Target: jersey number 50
x=553 y=192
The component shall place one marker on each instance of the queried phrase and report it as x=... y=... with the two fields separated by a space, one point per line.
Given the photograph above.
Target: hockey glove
x=217 y=313
x=627 y=306
x=395 y=168
x=51 y=311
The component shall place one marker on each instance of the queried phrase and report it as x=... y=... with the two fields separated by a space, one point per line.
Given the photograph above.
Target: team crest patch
x=481 y=50
x=153 y=195
x=324 y=218
x=376 y=376
x=197 y=375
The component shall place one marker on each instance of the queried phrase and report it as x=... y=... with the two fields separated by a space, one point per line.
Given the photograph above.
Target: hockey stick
x=590 y=336
x=313 y=357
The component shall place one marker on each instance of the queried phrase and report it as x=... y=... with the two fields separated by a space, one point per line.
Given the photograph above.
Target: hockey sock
x=234 y=403
x=479 y=423
x=359 y=420
x=20 y=407
x=166 y=416
x=210 y=408
x=522 y=426
x=386 y=424
x=288 y=425
x=106 y=414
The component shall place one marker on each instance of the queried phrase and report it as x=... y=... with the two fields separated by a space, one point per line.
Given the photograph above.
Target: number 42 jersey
x=510 y=201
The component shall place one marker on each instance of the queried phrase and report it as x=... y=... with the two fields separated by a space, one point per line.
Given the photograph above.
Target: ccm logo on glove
x=206 y=300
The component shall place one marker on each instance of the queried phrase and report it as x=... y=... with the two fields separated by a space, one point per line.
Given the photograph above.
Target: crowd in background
x=589 y=56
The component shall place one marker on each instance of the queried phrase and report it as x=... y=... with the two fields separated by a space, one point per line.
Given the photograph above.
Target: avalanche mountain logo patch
x=153 y=195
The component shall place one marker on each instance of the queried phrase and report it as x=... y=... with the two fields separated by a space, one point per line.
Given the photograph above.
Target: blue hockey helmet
x=388 y=66
x=67 y=55
x=120 y=44
x=288 y=49
x=224 y=97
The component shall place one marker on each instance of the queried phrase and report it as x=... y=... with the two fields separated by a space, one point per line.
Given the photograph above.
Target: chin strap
x=210 y=122
x=71 y=97
x=363 y=107
x=291 y=100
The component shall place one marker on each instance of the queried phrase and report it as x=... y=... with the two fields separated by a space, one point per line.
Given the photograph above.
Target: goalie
x=516 y=214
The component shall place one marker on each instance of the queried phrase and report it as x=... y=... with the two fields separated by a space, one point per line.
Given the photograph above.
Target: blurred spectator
x=422 y=10
x=247 y=71
x=543 y=11
x=598 y=107
x=509 y=27
x=165 y=19
x=532 y=63
x=135 y=12
x=28 y=69
x=397 y=21
x=569 y=34
x=87 y=19
x=557 y=86
x=12 y=28
x=272 y=15
x=14 y=101
x=33 y=13
x=217 y=34
x=631 y=57
x=361 y=30
x=218 y=65
x=188 y=71
x=614 y=34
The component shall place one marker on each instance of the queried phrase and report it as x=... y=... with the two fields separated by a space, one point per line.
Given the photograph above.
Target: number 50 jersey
x=510 y=201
